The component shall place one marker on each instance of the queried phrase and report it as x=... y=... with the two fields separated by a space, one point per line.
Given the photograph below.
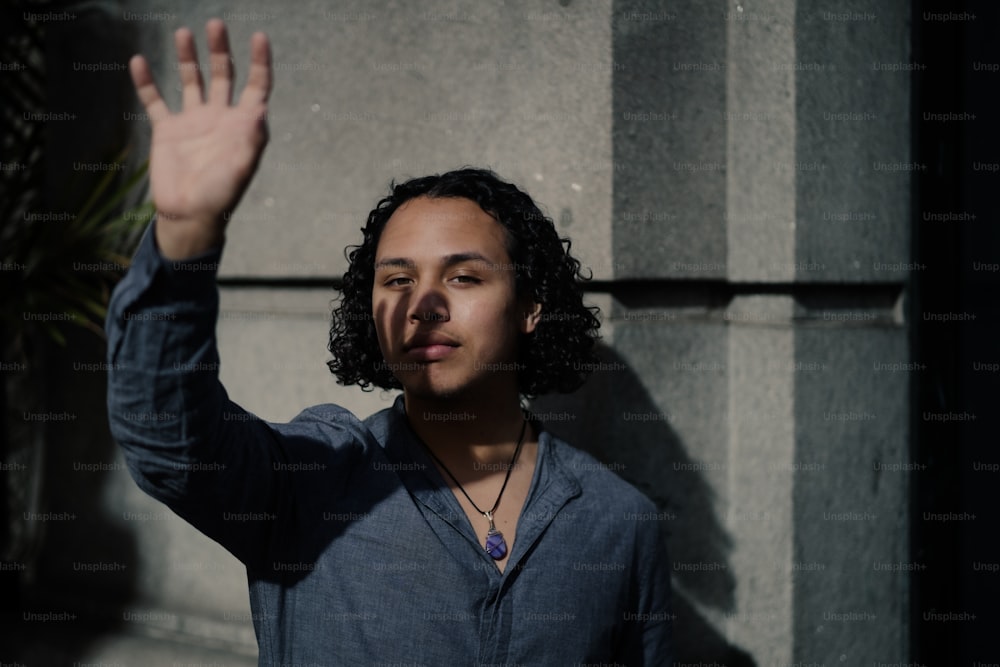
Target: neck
x=457 y=427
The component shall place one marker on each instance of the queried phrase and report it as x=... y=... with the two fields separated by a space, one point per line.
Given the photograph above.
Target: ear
x=532 y=316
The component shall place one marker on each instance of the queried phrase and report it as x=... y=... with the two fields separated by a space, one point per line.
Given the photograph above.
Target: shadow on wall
x=601 y=419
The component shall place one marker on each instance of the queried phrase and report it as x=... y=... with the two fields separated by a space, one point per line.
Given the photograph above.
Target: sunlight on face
x=446 y=312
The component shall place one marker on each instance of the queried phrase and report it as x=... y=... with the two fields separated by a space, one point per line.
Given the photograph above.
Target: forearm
x=185 y=443
x=164 y=397
x=163 y=390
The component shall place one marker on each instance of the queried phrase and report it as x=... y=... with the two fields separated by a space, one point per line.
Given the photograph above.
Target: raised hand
x=203 y=158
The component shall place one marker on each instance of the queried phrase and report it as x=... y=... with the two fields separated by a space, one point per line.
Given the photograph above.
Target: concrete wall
x=735 y=176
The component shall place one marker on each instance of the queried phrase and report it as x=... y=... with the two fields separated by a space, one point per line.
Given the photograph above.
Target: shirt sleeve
x=657 y=630
x=649 y=636
x=185 y=443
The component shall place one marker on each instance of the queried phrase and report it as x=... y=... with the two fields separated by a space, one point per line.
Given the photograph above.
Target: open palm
x=203 y=157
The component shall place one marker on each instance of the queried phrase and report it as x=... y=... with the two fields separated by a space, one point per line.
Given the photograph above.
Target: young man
x=449 y=529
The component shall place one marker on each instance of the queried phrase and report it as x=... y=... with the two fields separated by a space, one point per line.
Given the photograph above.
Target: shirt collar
x=552 y=486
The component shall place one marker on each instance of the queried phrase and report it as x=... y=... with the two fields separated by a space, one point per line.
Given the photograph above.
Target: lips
x=429 y=347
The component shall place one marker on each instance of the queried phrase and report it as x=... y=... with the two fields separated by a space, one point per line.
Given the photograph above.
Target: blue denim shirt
x=356 y=550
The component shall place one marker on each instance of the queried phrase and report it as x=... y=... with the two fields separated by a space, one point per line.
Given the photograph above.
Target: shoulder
x=330 y=414
x=329 y=424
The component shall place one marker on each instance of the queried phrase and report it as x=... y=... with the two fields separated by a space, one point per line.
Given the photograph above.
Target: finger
x=259 y=79
x=187 y=61
x=145 y=88
x=220 y=90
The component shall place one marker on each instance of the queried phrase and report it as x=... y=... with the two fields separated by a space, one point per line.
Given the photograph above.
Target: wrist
x=180 y=239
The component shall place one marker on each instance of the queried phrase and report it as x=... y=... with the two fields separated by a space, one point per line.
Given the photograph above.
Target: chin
x=432 y=394
x=427 y=387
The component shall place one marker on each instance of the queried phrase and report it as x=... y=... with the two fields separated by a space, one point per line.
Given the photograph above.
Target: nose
x=429 y=304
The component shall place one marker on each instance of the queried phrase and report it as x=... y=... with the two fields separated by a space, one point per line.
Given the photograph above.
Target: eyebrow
x=397 y=262
x=447 y=260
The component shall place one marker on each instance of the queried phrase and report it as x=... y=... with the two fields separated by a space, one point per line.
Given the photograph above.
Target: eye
x=466 y=279
x=397 y=281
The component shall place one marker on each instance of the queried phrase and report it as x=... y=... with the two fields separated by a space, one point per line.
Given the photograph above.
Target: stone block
x=853 y=165
x=761 y=399
x=851 y=515
x=365 y=93
x=760 y=132
x=669 y=140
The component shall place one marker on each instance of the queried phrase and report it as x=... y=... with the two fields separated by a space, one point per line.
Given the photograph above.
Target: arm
x=655 y=600
x=226 y=472
x=648 y=640
x=185 y=442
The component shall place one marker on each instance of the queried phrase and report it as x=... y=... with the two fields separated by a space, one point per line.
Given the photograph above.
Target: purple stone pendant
x=496 y=546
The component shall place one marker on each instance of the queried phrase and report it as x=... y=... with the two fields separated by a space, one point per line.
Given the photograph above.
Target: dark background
x=953 y=550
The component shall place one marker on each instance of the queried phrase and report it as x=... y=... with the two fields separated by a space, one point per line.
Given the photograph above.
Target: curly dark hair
x=556 y=357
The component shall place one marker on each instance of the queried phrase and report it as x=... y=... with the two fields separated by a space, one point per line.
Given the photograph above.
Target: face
x=446 y=312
